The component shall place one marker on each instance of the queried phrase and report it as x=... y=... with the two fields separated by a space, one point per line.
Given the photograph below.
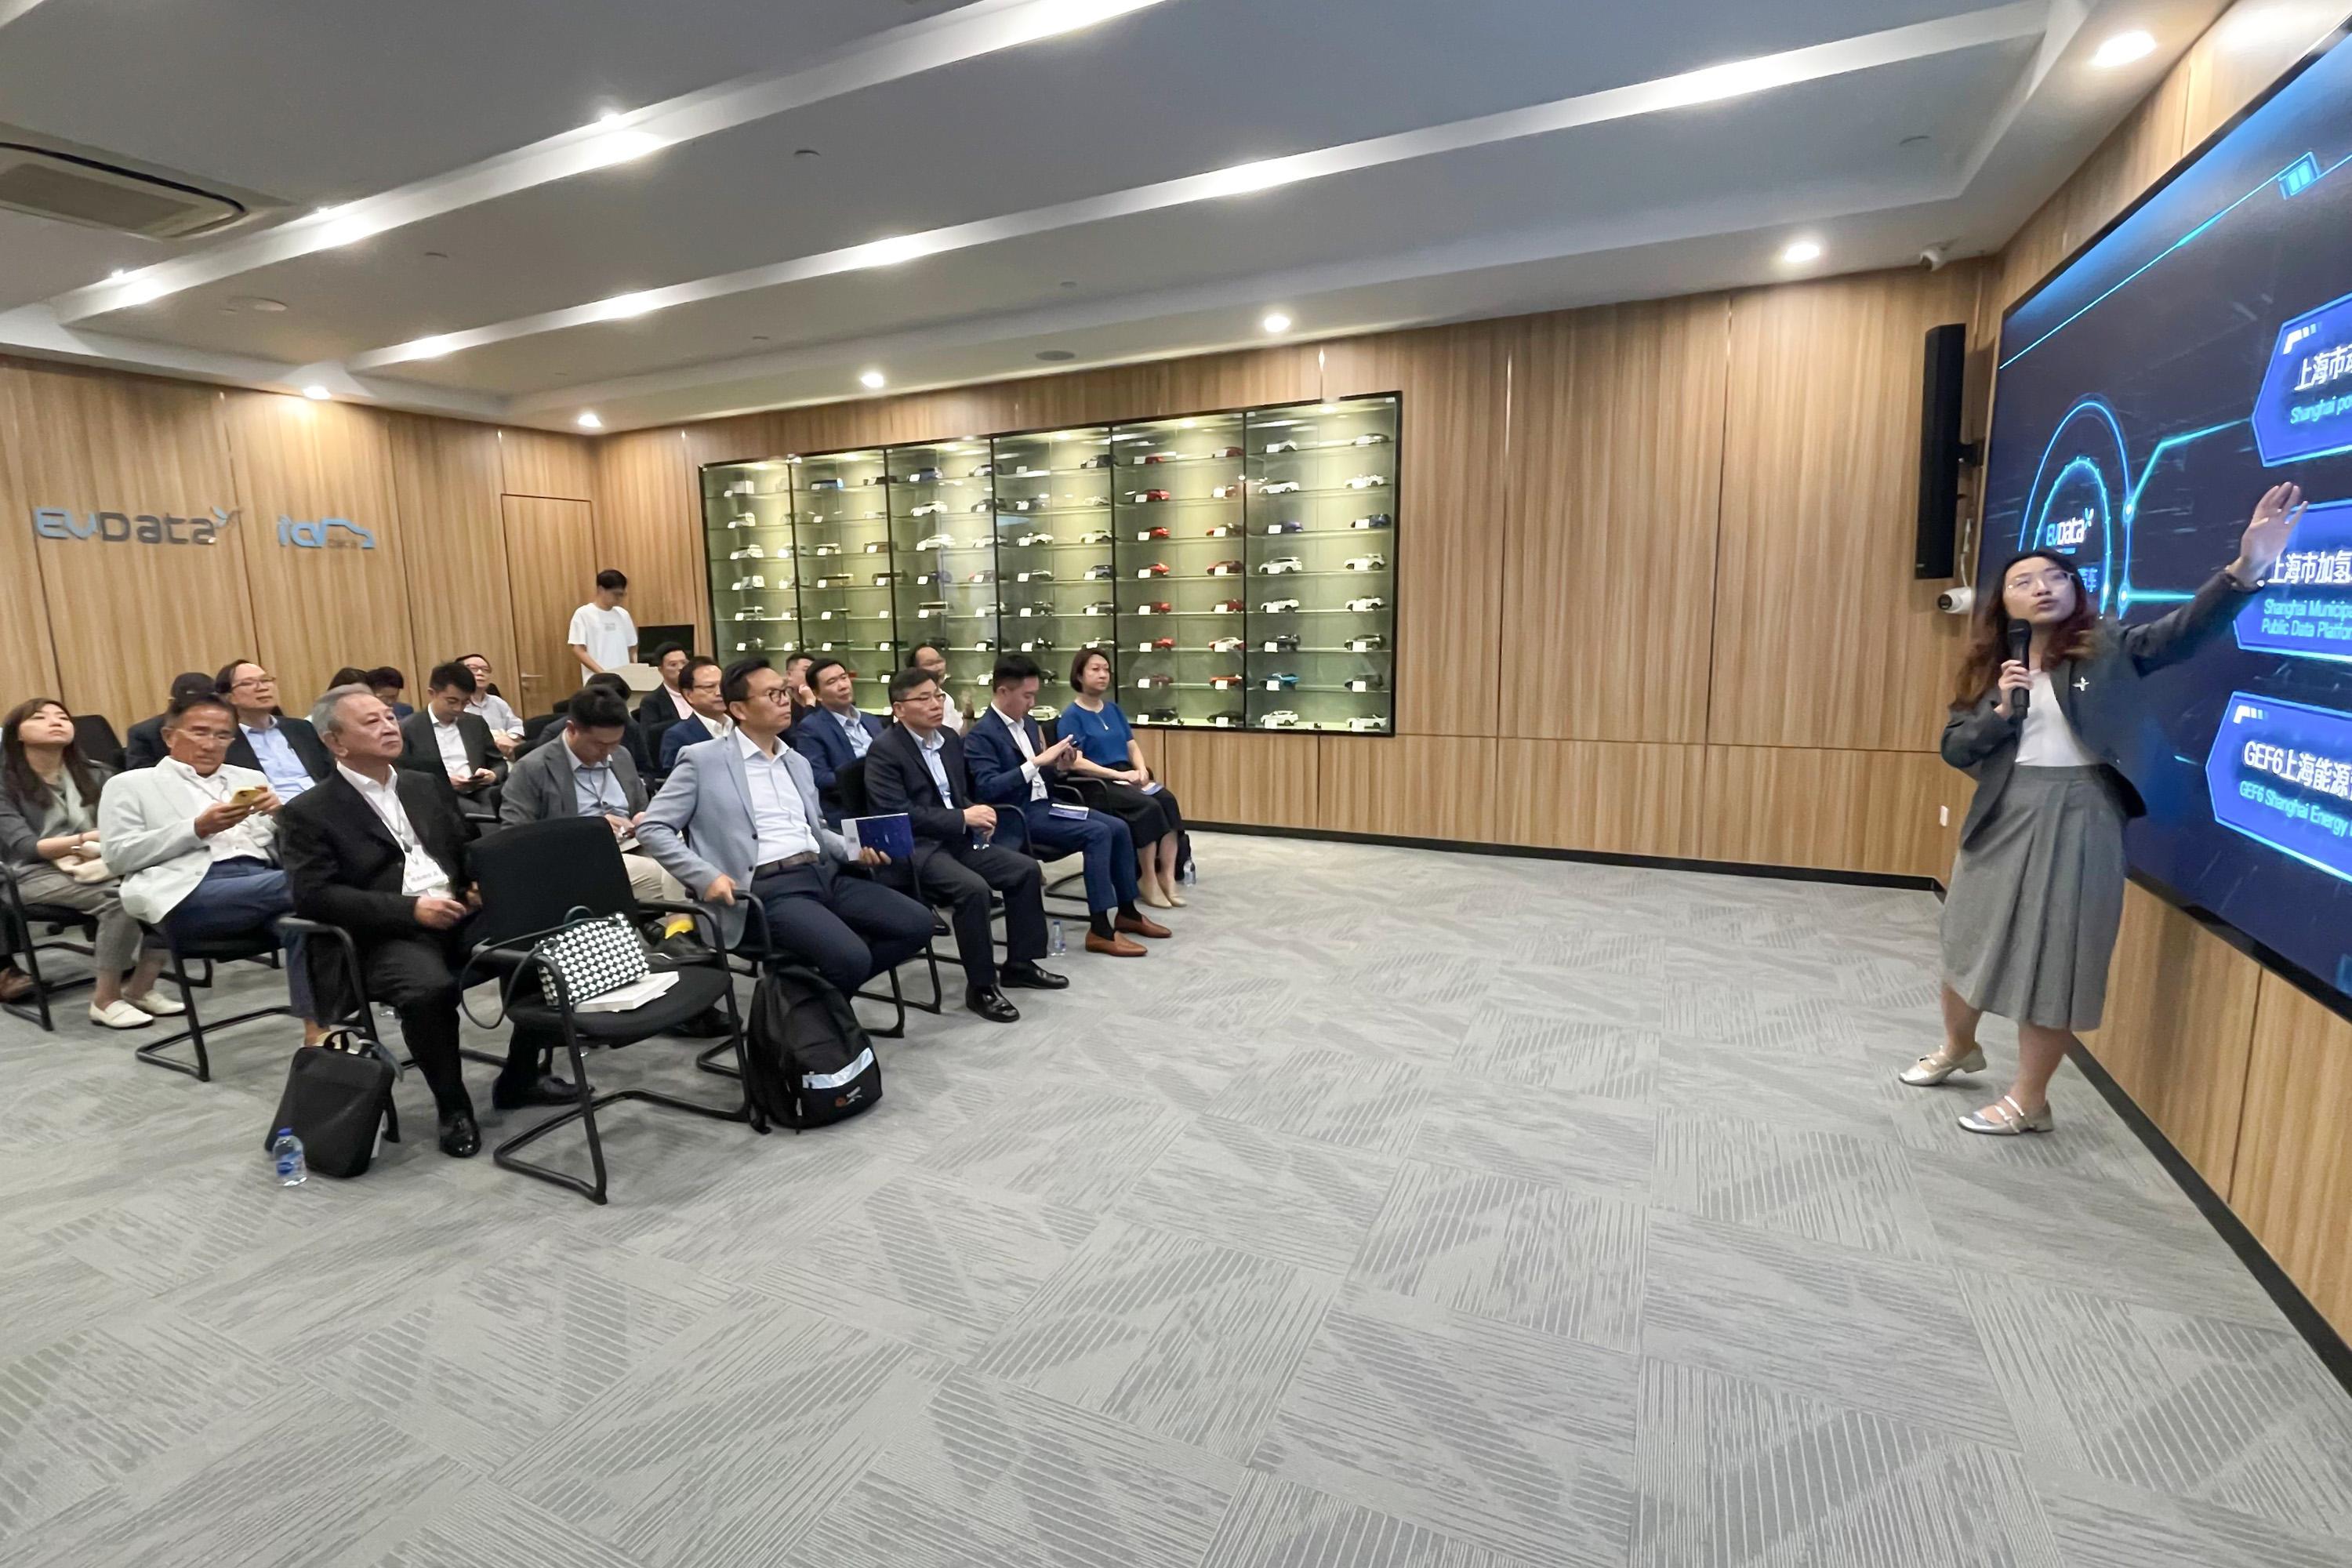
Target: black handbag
x=336 y=1097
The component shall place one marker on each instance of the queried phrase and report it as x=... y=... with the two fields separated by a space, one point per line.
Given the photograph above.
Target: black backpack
x=809 y=1061
x=336 y=1099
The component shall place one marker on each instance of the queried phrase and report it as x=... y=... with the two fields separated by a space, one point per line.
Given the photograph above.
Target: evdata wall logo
x=131 y=528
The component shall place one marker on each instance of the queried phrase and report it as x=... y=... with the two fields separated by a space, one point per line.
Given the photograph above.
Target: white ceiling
x=1879 y=127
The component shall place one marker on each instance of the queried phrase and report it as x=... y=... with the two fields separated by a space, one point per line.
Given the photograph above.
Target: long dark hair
x=2074 y=637
x=27 y=788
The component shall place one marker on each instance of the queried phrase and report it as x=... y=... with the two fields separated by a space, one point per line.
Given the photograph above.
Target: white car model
x=1366 y=482
x=1280 y=718
x=1369 y=438
x=1026 y=541
x=1365 y=563
x=937 y=542
x=931 y=509
x=1099 y=536
x=1277 y=607
x=1366 y=605
x=754 y=581
x=745 y=521
x=1226 y=645
x=1280 y=488
x=1368 y=724
x=1272 y=447
x=749 y=553
x=1281 y=565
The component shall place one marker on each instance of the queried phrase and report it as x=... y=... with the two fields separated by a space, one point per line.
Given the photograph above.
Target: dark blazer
x=299 y=735
x=422 y=752
x=656 y=714
x=144 y=747
x=2102 y=699
x=898 y=779
x=343 y=865
x=817 y=735
x=679 y=736
x=997 y=762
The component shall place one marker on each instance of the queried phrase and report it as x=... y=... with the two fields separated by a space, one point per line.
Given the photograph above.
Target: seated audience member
x=835 y=733
x=633 y=734
x=932 y=660
x=387 y=684
x=1012 y=766
x=738 y=819
x=665 y=704
x=349 y=674
x=446 y=740
x=706 y=718
x=797 y=671
x=586 y=772
x=491 y=709
x=281 y=750
x=48 y=823
x=194 y=860
x=380 y=850
x=917 y=766
x=144 y=747
x=1107 y=750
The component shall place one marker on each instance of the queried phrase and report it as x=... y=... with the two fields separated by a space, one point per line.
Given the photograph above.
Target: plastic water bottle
x=1191 y=875
x=1059 y=947
x=286 y=1159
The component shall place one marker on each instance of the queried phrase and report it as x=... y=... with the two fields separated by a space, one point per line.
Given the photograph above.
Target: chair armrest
x=1090 y=792
x=319 y=931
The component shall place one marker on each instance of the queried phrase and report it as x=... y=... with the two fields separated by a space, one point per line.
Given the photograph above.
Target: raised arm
x=2177 y=636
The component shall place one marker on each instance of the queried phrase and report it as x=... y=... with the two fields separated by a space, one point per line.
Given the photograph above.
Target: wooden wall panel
x=1409 y=786
x=1837 y=810
x=1273 y=781
x=1611 y=582
x=2180 y=1023
x=2293 y=1181
x=550 y=551
x=542 y=463
x=447 y=477
x=647 y=525
x=126 y=617
x=1610 y=796
x=1822 y=636
x=28 y=659
x=1453 y=472
x=317 y=610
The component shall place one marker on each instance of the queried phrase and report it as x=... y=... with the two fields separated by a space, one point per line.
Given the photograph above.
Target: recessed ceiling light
x=316 y=393
x=873 y=379
x=759 y=337
x=117 y=272
x=1275 y=322
x=1055 y=356
x=436 y=256
x=1802 y=251
x=806 y=153
x=258 y=305
x=2124 y=48
x=588 y=420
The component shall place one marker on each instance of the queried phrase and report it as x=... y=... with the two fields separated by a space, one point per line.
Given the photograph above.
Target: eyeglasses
x=265 y=678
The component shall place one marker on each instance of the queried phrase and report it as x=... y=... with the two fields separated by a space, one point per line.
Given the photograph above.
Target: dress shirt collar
x=937 y=742
x=368 y=786
x=578 y=761
x=212 y=783
x=749 y=749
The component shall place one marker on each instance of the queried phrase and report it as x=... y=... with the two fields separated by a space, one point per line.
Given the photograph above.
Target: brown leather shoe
x=1115 y=946
x=1141 y=926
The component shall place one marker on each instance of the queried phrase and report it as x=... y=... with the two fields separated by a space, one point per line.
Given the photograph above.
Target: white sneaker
x=155 y=1004
x=118 y=1015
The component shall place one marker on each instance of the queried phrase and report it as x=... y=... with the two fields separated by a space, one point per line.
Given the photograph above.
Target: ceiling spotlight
x=1802 y=251
x=316 y=393
x=1275 y=322
x=588 y=420
x=2124 y=48
x=805 y=152
x=117 y=272
x=620 y=307
x=873 y=379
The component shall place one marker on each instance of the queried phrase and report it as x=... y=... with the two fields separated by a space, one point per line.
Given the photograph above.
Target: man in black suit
x=445 y=739
x=917 y=766
x=144 y=746
x=380 y=850
x=665 y=704
x=284 y=751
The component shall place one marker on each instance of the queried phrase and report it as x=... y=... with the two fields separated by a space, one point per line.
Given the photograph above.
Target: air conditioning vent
x=99 y=196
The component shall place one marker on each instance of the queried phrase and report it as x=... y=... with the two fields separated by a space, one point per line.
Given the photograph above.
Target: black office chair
x=533 y=878
x=94 y=734
x=18 y=920
x=850 y=784
x=251 y=946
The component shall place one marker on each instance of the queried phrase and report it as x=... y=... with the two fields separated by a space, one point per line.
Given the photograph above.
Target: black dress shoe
x=546 y=1090
x=460 y=1138
x=992 y=1006
x=1028 y=976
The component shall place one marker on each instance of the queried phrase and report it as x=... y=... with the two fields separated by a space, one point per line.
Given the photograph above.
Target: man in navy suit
x=917 y=766
x=707 y=719
x=1012 y=767
x=833 y=734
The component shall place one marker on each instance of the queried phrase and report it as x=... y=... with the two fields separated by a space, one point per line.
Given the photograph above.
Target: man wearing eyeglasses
x=739 y=821
x=285 y=751
x=587 y=772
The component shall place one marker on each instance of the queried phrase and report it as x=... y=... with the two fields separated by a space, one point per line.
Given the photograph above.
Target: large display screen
x=2148 y=392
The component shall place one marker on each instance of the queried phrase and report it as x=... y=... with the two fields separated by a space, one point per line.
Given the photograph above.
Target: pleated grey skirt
x=2029 y=922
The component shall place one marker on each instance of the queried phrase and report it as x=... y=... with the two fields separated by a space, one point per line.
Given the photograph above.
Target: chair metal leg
x=201 y=1070
x=936 y=1005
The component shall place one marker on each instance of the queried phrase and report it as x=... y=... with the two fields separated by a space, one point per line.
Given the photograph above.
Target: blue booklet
x=892 y=834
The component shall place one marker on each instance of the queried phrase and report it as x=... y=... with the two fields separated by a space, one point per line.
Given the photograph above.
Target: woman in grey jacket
x=2037 y=891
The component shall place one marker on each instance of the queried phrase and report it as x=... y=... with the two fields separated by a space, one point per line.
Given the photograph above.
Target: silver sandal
x=2009 y=1126
x=1929 y=1071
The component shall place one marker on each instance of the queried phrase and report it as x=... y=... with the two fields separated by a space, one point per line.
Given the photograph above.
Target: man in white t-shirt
x=602 y=637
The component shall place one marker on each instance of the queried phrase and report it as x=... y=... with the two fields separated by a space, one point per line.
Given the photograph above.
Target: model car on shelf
x=985 y=575
x=1281 y=565
x=878 y=547
x=1226 y=645
x=1234 y=492
x=985 y=644
x=981 y=506
x=1096 y=536
x=929 y=509
x=1365 y=563
x=1287 y=525
x=1280 y=718
x=740 y=487
x=1034 y=575
x=934 y=607
x=1368 y=724
x=1369 y=438
x=981 y=473
x=1281 y=488
x=1378 y=520
x=826 y=485
x=1226 y=452
x=1231 y=719
x=1037 y=645
x=1277 y=607
x=1222 y=530
x=1158 y=458
x=1146 y=535
x=1367 y=482
x=754 y=581
x=1285 y=643
x=1156 y=716
x=1226 y=608
x=1144 y=497
x=1366 y=605
x=937 y=542
x=746 y=521
x=1367 y=683
x=1224 y=682
x=1285 y=680
x=1100 y=608
x=1157 y=645
x=754 y=614
x=1153 y=682
x=1099 y=460
x=1275 y=449
x=1027 y=540
x=1027 y=503
x=1371 y=644
x=884 y=579
x=921 y=477
x=1157 y=569
x=1098 y=573
x=1039 y=713
x=1157 y=607
x=1225 y=568
x=749 y=553
x=829 y=547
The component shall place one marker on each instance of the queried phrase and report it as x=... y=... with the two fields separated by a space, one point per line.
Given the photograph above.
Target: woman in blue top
x=1107 y=750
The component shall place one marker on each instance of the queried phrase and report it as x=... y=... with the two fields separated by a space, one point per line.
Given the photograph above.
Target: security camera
x=1933 y=257
x=1957 y=601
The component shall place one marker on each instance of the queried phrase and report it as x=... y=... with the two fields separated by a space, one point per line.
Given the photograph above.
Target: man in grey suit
x=587 y=772
x=739 y=819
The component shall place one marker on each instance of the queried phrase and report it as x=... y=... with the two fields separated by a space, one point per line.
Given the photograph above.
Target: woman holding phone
x=1108 y=750
x=2055 y=741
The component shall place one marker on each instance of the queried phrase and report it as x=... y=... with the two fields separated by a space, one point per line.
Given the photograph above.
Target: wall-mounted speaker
x=1943 y=388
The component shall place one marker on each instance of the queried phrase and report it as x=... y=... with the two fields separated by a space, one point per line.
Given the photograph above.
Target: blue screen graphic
x=2199 y=353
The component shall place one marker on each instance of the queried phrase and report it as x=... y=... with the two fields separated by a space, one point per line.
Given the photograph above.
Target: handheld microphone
x=2021 y=643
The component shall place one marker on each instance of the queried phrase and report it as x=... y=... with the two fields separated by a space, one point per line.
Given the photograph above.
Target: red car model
x=1225 y=569
x=1157 y=569
x=1158 y=644
x=1158 y=608
x=1145 y=536
x=1228 y=607
x=1149 y=681
x=1224 y=682
x=1140 y=497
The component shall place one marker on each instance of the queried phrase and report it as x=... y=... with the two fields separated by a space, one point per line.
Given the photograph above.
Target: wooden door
x=550 y=572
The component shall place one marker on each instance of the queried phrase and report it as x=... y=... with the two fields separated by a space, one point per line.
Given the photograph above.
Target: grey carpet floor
x=1407 y=1210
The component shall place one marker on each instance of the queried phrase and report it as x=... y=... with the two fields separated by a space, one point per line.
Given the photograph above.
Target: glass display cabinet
x=1238 y=567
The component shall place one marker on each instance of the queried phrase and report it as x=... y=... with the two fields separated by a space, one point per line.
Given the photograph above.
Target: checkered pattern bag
x=594 y=955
